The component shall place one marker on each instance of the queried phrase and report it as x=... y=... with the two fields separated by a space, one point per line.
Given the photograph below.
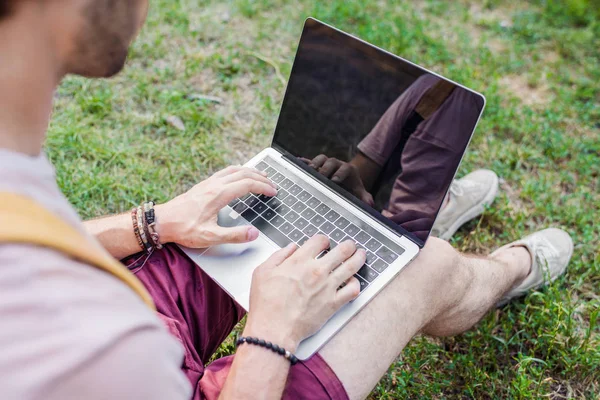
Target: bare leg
x=441 y=293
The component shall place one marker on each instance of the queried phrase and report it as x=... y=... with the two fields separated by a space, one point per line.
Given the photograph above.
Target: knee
x=449 y=267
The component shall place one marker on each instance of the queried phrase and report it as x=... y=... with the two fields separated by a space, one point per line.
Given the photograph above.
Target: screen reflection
x=386 y=131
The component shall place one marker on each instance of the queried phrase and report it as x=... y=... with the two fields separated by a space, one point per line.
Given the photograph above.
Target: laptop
x=365 y=148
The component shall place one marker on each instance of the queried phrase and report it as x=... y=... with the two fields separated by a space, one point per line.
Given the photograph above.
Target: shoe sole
x=473 y=212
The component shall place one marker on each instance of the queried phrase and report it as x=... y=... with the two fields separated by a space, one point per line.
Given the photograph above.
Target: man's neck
x=28 y=78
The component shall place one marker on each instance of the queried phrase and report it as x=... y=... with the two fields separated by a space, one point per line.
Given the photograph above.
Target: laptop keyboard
x=299 y=211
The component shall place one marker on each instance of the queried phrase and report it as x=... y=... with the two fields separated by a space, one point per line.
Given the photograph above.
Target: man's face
x=101 y=37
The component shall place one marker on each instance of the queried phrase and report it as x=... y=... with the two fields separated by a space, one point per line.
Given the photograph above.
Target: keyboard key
x=310 y=230
x=270 y=171
x=379 y=266
x=292 y=216
x=269 y=214
x=280 y=239
x=322 y=209
x=304 y=196
x=274 y=203
x=308 y=213
x=317 y=220
x=327 y=227
x=290 y=200
x=302 y=241
x=277 y=220
x=282 y=194
x=351 y=230
x=261 y=166
x=286 y=228
x=233 y=202
x=337 y=235
x=301 y=223
x=342 y=223
x=249 y=214
x=286 y=183
x=278 y=177
x=322 y=254
x=367 y=273
x=264 y=198
x=332 y=244
x=373 y=245
x=282 y=210
x=296 y=235
x=346 y=237
x=299 y=207
x=251 y=201
x=240 y=207
x=363 y=283
x=244 y=197
x=370 y=258
x=331 y=216
x=313 y=203
x=260 y=207
x=387 y=255
x=363 y=237
x=295 y=190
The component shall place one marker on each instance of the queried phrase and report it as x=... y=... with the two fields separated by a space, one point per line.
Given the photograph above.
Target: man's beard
x=101 y=48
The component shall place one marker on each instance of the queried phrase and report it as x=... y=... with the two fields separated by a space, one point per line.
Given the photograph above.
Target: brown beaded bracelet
x=268 y=345
x=136 y=229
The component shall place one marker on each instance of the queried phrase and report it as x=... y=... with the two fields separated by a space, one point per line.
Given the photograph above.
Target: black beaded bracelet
x=273 y=347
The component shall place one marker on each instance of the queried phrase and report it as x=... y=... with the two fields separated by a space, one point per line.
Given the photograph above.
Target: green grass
x=536 y=62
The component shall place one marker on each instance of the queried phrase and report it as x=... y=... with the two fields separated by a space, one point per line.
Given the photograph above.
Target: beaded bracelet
x=268 y=345
x=142 y=229
x=150 y=219
x=136 y=228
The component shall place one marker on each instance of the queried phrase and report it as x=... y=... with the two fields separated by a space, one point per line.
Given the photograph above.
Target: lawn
x=202 y=90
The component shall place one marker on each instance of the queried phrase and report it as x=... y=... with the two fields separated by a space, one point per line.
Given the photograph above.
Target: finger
x=348 y=293
x=227 y=171
x=281 y=255
x=245 y=186
x=338 y=255
x=247 y=173
x=313 y=247
x=342 y=173
x=348 y=268
x=318 y=161
x=305 y=160
x=330 y=166
x=238 y=234
x=368 y=198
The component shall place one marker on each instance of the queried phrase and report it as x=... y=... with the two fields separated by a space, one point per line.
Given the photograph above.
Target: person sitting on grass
x=71 y=331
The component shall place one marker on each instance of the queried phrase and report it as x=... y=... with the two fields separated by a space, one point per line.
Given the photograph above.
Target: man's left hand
x=191 y=218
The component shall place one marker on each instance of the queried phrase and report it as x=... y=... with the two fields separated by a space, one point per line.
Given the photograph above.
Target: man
x=73 y=332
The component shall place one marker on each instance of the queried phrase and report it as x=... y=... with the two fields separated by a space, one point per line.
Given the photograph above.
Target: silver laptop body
x=328 y=57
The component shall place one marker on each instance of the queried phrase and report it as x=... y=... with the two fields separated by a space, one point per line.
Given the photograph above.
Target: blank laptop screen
x=384 y=133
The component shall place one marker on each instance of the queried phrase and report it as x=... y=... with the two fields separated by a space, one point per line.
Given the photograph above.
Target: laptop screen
x=382 y=132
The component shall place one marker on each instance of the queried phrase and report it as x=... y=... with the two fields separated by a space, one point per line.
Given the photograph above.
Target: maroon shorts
x=201 y=315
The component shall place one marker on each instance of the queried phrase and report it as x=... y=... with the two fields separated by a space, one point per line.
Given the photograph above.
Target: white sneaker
x=467 y=199
x=550 y=249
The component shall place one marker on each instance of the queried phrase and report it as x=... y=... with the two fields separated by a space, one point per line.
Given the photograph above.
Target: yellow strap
x=24 y=221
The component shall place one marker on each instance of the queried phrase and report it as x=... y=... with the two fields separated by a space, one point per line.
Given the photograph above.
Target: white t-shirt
x=68 y=330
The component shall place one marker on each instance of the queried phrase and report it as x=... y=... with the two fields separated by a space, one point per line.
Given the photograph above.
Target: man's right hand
x=293 y=293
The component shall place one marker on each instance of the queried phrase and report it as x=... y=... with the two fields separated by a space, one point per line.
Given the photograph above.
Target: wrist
x=270 y=334
x=165 y=227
